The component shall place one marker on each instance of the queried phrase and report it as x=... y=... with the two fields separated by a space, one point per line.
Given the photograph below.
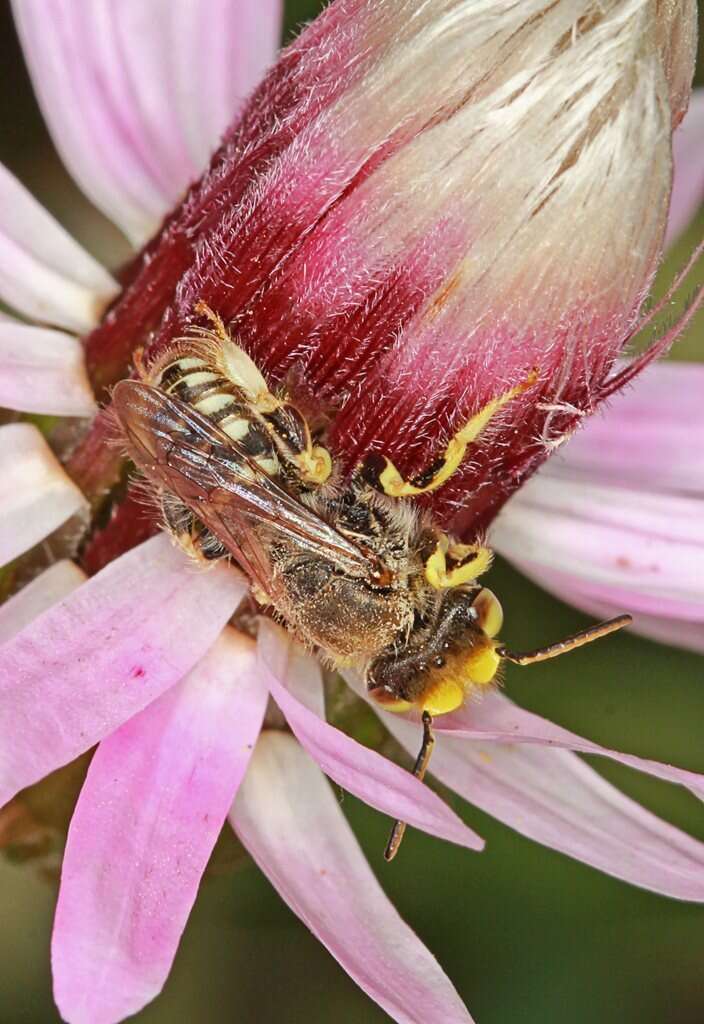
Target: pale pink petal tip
x=156 y=796
x=291 y=823
x=36 y=495
x=104 y=652
x=43 y=371
x=552 y=796
x=136 y=95
x=44 y=274
x=296 y=686
x=614 y=521
x=688 y=157
x=44 y=591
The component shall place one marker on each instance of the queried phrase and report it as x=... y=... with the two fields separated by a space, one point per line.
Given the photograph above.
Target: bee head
x=445 y=659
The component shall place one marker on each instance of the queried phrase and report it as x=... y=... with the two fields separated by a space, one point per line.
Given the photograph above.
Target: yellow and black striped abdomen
x=194 y=381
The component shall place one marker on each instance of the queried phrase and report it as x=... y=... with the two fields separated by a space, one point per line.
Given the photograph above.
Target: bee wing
x=184 y=452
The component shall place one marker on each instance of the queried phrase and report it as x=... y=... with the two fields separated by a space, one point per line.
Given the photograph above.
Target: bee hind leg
x=380 y=471
x=198 y=542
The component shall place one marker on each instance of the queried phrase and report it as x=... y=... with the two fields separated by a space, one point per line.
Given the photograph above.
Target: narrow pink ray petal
x=221 y=50
x=688 y=155
x=44 y=273
x=552 y=796
x=498 y=719
x=603 y=602
x=46 y=590
x=292 y=825
x=648 y=436
x=156 y=796
x=646 y=547
x=137 y=95
x=43 y=371
x=36 y=495
x=361 y=771
x=102 y=654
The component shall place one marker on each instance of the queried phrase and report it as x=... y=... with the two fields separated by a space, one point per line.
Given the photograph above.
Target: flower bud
x=423 y=202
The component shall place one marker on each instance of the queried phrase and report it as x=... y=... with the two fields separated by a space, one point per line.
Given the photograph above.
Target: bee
x=350 y=567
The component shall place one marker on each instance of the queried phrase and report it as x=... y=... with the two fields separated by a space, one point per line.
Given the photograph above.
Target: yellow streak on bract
x=394 y=484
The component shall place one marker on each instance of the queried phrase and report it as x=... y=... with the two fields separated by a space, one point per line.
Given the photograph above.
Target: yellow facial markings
x=472 y=561
x=464 y=672
x=445 y=696
x=489 y=610
x=482 y=666
x=391 y=703
x=395 y=486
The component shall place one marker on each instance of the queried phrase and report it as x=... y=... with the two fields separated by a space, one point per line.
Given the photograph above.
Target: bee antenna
x=585 y=636
x=419 y=770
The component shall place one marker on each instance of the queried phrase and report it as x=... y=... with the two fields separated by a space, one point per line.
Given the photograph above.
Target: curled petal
x=43 y=371
x=44 y=274
x=688 y=154
x=36 y=495
x=292 y=825
x=108 y=649
x=497 y=719
x=136 y=95
x=552 y=796
x=46 y=590
x=371 y=777
x=155 y=798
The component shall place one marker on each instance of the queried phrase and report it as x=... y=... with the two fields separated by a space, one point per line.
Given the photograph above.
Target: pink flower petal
x=44 y=274
x=496 y=718
x=647 y=548
x=688 y=155
x=44 y=591
x=157 y=793
x=603 y=602
x=292 y=825
x=36 y=495
x=43 y=371
x=555 y=798
x=136 y=95
x=102 y=654
x=649 y=436
x=296 y=685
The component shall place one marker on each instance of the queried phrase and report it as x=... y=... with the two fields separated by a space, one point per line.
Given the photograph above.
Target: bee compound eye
x=490 y=614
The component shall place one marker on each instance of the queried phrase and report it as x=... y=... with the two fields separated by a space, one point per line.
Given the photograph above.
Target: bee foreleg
x=452 y=564
x=380 y=471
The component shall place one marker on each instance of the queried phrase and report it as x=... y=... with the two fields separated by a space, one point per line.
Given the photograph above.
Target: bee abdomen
x=191 y=379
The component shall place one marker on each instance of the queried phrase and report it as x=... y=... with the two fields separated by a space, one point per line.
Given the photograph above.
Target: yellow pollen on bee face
x=462 y=673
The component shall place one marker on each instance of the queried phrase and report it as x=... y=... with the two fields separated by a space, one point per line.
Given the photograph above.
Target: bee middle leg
x=452 y=564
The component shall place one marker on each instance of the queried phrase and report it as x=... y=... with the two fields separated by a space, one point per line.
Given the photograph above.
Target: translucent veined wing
x=181 y=450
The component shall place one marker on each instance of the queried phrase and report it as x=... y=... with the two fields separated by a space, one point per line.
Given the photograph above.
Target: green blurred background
x=526 y=934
